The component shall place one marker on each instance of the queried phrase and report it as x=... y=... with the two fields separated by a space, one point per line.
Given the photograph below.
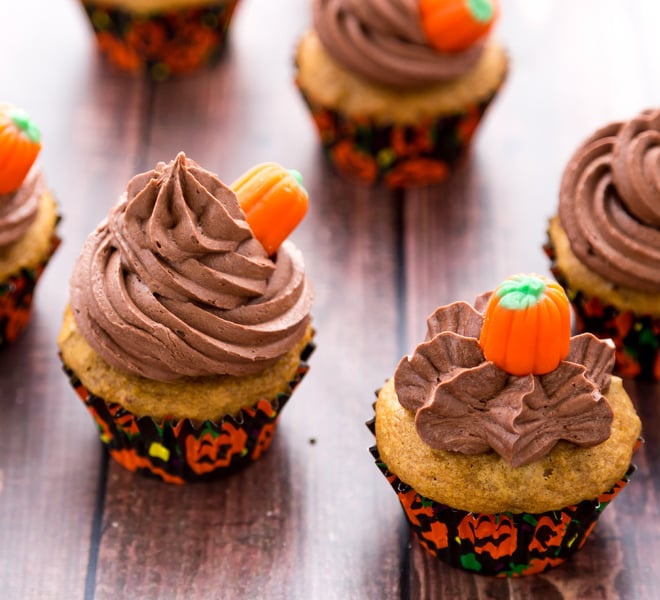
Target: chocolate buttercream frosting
x=383 y=41
x=609 y=202
x=18 y=209
x=464 y=403
x=172 y=283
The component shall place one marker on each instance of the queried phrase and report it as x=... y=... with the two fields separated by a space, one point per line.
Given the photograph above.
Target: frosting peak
x=174 y=284
x=466 y=404
x=609 y=202
x=383 y=41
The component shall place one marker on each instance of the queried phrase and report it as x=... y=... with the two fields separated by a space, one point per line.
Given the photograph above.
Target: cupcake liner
x=399 y=156
x=162 y=43
x=503 y=544
x=177 y=450
x=636 y=337
x=16 y=296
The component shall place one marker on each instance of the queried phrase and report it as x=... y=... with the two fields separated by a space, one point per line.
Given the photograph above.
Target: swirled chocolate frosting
x=463 y=403
x=172 y=283
x=383 y=41
x=18 y=209
x=609 y=202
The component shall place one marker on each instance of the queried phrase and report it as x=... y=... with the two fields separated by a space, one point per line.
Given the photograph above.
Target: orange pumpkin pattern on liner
x=178 y=451
x=16 y=299
x=364 y=151
x=161 y=44
x=504 y=544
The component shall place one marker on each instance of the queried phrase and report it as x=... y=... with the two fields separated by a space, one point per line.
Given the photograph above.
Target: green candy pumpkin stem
x=482 y=10
x=23 y=121
x=520 y=292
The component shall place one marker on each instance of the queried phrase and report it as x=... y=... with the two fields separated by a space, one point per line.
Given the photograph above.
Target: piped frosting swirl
x=172 y=283
x=465 y=404
x=18 y=209
x=609 y=203
x=383 y=41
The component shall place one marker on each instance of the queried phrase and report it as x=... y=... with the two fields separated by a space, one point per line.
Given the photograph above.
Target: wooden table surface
x=314 y=519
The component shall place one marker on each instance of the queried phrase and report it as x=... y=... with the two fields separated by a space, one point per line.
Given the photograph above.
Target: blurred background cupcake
x=162 y=38
x=503 y=437
x=605 y=240
x=28 y=220
x=185 y=334
x=397 y=88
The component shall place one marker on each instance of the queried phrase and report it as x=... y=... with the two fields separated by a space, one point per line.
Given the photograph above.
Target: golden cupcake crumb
x=328 y=83
x=195 y=398
x=486 y=483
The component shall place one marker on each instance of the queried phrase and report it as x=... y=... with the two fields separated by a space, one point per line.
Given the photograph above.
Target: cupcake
x=397 y=88
x=185 y=334
x=503 y=437
x=28 y=220
x=162 y=38
x=604 y=241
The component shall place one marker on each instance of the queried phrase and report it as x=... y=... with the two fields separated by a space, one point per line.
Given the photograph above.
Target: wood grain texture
x=313 y=519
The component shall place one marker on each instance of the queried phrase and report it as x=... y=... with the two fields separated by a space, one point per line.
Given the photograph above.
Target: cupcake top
x=501 y=410
x=608 y=203
x=507 y=377
x=404 y=43
x=174 y=284
x=21 y=182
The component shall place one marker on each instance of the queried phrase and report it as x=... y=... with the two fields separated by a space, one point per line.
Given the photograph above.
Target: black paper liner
x=179 y=451
x=502 y=544
x=365 y=151
x=162 y=43
x=17 y=295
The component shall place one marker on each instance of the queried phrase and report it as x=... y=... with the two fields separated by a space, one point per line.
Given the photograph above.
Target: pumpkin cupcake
x=605 y=240
x=28 y=220
x=503 y=437
x=397 y=88
x=185 y=334
x=161 y=38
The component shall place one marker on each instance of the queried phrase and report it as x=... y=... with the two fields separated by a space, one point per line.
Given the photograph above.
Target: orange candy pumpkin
x=527 y=325
x=274 y=202
x=20 y=143
x=454 y=25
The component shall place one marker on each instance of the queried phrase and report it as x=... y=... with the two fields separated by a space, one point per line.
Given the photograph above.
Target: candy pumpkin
x=526 y=326
x=454 y=25
x=20 y=143
x=274 y=202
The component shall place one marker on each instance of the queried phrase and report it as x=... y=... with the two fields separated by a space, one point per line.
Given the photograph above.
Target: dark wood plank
x=50 y=459
x=573 y=70
x=302 y=520
x=314 y=518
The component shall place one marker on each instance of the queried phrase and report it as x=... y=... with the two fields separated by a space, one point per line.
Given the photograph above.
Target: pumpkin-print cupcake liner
x=636 y=337
x=163 y=43
x=504 y=544
x=16 y=298
x=398 y=156
x=178 y=450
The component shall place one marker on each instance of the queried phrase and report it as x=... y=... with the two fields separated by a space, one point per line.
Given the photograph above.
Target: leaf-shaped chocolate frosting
x=466 y=404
